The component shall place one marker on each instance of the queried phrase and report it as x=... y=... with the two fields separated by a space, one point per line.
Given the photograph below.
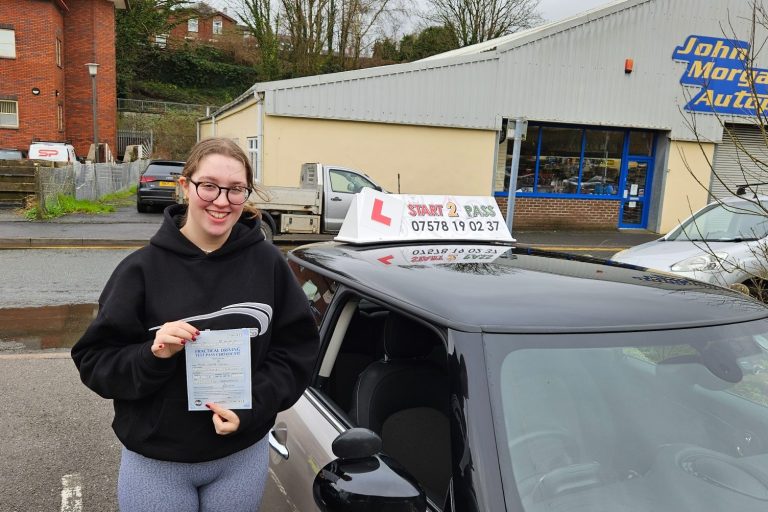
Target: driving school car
x=458 y=372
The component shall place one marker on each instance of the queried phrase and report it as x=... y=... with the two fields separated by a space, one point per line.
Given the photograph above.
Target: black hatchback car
x=157 y=184
x=471 y=377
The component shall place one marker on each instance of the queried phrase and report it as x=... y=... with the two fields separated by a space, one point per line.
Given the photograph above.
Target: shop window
x=602 y=162
x=526 y=171
x=640 y=143
x=559 y=160
x=7 y=43
x=9 y=114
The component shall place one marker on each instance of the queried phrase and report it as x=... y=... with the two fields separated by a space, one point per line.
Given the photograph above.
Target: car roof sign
x=375 y=217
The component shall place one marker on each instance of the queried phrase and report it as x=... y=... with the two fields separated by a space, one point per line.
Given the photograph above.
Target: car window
x=318 y=289
x=724 y=222
x=668 y=420
x=163 y=170
x=348 y=182
x=389 y=374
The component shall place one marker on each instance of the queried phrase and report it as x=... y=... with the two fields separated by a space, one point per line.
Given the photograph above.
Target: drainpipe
x=259 y=136
x=521 y=126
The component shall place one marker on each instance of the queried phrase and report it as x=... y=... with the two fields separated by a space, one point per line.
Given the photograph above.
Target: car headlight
x=700 y=262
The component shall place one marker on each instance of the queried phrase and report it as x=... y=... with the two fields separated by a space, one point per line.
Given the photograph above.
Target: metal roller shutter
x=735 y=167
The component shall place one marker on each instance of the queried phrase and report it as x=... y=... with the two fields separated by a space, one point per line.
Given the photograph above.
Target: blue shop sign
x=718 y=66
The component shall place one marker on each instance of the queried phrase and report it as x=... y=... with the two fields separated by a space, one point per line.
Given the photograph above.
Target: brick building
x=45 y=88
x=201 y=23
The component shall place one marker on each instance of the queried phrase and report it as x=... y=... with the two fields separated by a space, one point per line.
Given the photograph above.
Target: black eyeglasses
x=209 y=192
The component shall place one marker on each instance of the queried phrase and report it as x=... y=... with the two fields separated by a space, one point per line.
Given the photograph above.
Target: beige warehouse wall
x=237 y=124
x=429 y=160
x=687 y=183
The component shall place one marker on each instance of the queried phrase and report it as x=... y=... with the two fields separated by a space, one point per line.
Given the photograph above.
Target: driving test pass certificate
x=219 y=369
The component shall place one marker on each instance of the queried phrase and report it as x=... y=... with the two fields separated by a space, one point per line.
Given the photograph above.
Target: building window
x=253 y=154
x=58 y=52
x=7 y=43
x=161 y=40
x=192 y=25
x=60 y=116
x=566 y=160
x=9 y=114
x=218 y=26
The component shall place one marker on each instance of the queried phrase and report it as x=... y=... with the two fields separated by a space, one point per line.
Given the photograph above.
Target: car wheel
x=141 y=207
x=266 y=229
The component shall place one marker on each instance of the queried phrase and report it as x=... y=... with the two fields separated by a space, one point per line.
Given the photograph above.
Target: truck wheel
x=266 y=229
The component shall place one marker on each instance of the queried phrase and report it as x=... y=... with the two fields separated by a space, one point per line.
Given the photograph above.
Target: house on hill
x=45 y=86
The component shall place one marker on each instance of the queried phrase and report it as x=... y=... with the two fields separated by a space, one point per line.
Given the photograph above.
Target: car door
x=341 y=185
x=300 y=442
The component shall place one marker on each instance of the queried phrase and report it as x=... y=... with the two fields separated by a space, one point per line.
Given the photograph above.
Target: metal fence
x=161 y=107
x=93 y=181
x=84 y=181
x=144 y=138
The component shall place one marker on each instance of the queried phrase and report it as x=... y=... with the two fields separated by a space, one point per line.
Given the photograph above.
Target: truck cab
x=341 y=186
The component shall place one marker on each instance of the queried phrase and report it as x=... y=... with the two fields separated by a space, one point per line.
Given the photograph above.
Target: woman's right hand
x=172 y=337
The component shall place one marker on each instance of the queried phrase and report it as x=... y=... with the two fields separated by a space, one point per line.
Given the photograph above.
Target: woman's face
x=212 y=221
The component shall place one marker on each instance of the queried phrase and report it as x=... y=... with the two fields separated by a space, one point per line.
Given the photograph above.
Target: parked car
x=12 y=154
x=478 y=376
x=724 y=243
x=157 y=184
x=52 y=151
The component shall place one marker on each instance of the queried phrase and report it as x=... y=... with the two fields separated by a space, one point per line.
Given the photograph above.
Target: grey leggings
x=233 y=484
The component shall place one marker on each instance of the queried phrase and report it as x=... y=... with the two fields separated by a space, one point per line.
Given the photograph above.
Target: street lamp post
x=92 y=70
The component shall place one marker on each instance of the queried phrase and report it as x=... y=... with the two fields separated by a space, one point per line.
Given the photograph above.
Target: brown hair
x=226 y=147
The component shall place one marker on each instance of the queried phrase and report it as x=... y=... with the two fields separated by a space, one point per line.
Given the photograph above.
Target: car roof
x=166 y=162
x=525 y=291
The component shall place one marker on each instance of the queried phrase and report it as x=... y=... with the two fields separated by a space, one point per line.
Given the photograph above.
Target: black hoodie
x=172 y=279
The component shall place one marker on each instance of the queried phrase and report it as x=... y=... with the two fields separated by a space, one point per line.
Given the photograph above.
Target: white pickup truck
x=318 y=205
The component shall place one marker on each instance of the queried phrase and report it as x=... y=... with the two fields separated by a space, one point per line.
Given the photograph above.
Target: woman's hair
x=226 y=147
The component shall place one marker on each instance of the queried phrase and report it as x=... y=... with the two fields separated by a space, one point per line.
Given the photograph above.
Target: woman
x=207 y=255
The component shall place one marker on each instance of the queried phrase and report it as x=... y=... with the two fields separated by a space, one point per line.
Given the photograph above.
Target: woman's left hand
x=224 y=420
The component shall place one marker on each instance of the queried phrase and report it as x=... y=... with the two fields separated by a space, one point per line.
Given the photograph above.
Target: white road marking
x=71 y=493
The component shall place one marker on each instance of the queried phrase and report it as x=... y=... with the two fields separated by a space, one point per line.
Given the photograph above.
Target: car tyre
x=266 y=229
x=141 y=207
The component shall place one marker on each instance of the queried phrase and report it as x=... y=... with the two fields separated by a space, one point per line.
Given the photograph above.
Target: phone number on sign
x=455 y=225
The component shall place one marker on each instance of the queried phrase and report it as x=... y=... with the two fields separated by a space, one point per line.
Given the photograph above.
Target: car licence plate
x=167 y=184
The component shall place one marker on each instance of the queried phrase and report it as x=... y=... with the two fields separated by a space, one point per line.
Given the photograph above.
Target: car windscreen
x=637 y=422
x=162 y=171
x=725 y=222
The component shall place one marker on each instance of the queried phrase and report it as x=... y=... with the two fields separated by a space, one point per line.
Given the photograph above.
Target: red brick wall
x=204 y=29
x=90 y=30
x=550 y=213
x=87 y=34
x=36 y=24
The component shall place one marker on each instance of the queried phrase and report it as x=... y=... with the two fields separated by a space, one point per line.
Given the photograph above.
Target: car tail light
x=146 y=179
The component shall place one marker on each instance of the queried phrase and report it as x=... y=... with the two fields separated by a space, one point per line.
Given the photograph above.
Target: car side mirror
x=363 y=480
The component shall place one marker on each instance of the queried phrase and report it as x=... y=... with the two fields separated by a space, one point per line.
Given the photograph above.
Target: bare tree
x=475 y=21
x=750 y=102
x=262 y=19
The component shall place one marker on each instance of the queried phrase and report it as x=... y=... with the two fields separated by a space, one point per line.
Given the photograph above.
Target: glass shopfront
x=585 y=163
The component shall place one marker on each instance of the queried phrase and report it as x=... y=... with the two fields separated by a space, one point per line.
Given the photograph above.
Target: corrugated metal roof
x=571 y=71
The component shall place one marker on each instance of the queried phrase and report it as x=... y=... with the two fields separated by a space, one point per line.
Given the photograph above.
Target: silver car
x=724 y=243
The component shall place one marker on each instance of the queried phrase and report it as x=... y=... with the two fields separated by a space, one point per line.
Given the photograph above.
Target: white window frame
x=161 y=40
x=5 y=112
x=7 y=43
x=253 y=155
x=192 y=25
x=217 y=27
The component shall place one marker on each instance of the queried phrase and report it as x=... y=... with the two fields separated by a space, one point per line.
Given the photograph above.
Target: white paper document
x=219 y=369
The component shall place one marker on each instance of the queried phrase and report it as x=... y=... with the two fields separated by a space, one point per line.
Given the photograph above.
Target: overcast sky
x=551 y=10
